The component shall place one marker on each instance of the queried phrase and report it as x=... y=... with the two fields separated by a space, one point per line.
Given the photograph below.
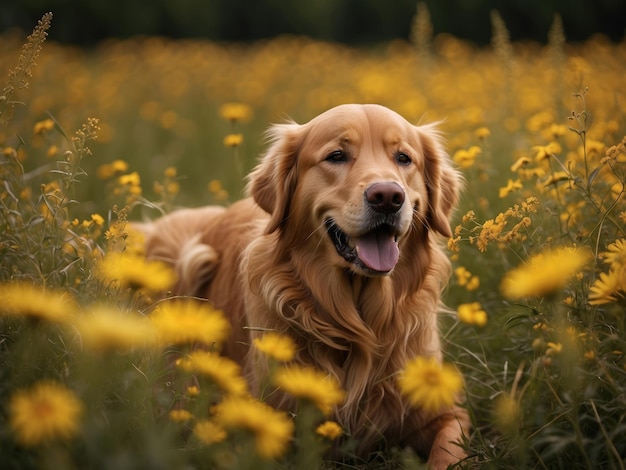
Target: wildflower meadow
x=97 y=364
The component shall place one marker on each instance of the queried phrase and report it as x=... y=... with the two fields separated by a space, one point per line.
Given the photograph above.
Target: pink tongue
x=378 y=251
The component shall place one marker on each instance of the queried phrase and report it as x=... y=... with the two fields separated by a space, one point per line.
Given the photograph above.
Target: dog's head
x=354 y=181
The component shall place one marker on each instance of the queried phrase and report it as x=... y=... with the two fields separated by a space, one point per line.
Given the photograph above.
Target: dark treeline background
x=349 y=21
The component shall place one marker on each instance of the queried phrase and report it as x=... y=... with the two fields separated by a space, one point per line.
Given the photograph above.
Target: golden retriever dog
x=337 y=246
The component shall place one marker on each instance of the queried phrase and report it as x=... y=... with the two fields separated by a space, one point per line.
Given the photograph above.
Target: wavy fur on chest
x=360 y=330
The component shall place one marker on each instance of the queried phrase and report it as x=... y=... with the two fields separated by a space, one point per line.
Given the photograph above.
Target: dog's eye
x=403 y=159
x=338 y=156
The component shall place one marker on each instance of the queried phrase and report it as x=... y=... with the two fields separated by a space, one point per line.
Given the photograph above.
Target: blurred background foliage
x=348 y=21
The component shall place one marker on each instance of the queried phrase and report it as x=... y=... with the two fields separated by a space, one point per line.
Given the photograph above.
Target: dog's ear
x=273 y=181
x=443 y=181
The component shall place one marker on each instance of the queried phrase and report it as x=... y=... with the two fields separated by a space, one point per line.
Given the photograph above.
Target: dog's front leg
x=446 y=447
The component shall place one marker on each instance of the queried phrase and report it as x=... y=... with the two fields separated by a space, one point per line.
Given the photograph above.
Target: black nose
x=386 y=197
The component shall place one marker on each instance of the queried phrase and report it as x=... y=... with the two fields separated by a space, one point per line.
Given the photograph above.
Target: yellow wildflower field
x=91 y=139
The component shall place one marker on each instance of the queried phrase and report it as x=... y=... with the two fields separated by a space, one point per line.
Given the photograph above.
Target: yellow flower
x=44 y=126
x=472 y=314
x=188 y=321
x=209 y=432
x=277 y=346
x=510 y=187
x=130 y=179
x=453 y=244
x=607 y=287
x=215 y=186
x=119 y=166
x=616 y=253
x=594 y=147
x=557 y=130
x=519 y=163
x=473 y=284
x=531 y=172
x=429 y=384
x=538 y=121
x=108 y=328
x=545 y=152
x=224 y=372
x=233 y=140
x=45 y=412
x=180 y=416
x=193 y=391
x=172 y=188
x=490 y=231
x=309 y=384
x=98 y=219
x=22 y=299
x=462 y=275
x=482 y=132
x=108 y=170
x=589 y=355
x=235 y=112
x=330 y=430
x=52 y=152
x=272 y=429
x=134 y=271
x=556 y=177
x=217 y=190
x=544 y=273
x=553 y=348
x=469 y=216
x=9 y=152
x=506 y=412
x=464 y=278
x=466 y=158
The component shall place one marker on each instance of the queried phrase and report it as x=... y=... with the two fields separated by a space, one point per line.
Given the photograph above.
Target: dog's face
x=355 y=181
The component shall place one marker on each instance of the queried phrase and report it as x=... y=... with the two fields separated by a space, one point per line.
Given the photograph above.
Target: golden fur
x=270 y=262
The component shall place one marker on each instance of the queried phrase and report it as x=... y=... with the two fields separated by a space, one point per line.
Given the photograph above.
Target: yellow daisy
x=189 y=321
x=108 y=328
x=472 y=314
x=466 y=157
x=616 y=253
x=209 y=432
x=134 y=271
x=277 y=346
x=462 y=275
x=330 y=430
x=545 y=152
x=180 y=416
x=509 y=188
x=309 y=384
x=482 y=132
x=233 y=140
x=521 y=162
x=234 y=112
x=272 y=429
x=45 y=412
x=506 y=412
x=430 y=385
x=44 y=126
x=193 y=391
x=556 y=177
x=225 y=373
x=544 y=273
x=605 y=289
x=27 y=300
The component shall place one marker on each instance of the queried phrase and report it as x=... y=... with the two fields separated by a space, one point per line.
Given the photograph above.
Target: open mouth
x=376 y=251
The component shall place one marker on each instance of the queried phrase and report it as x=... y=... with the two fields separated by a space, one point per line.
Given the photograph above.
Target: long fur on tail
x=176 y=240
